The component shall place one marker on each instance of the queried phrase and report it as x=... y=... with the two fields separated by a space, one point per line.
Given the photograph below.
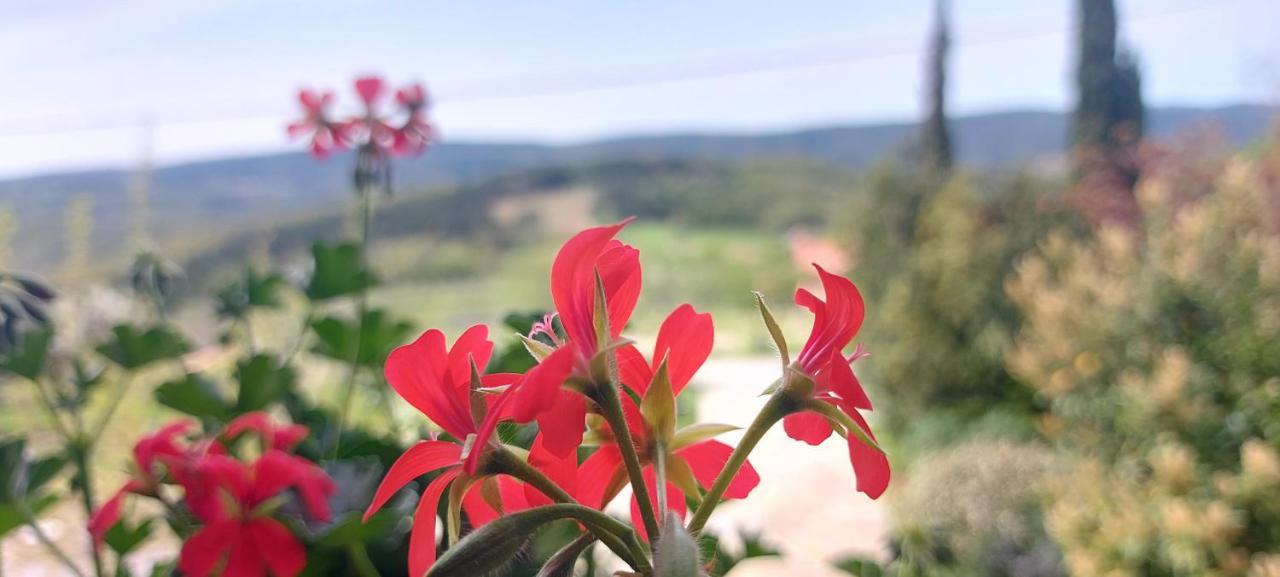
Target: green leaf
x=860 y=567
x=697 y=433
x=338 y=338
x=494 y=545
x=659 y=406
x=350 y=529
x=775 y=331
x=133 y=348
x=252 y=290
x=263 y=381
x=339 y=271
x=123 y=539
x=11 y=516
x=194 y=395
x=28 y=358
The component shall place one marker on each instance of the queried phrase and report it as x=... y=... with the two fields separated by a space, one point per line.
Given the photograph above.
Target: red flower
x=692 y=459
x=836 y=322
x=326 y=134
x=371 y=125
x=273 y=436
x=235 y=501
x=161 y=447
x=560 y=412
x=437 y=381
x=413 y=136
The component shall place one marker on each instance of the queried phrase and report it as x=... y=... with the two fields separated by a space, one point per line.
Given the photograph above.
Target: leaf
x=133 y=348
x=11 y=516
x=339 y=271
x=28 y=358
x=350 y=529
x=263 y=381
x=194 y=395
x=122 y=539
x=659 y=406
x=252 y=290
x=860 y=567
x=775 y=331
x=698 y=432
x=493 y=546
x=338 y=338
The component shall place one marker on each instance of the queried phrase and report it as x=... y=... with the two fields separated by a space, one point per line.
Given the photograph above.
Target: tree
x=936 y=137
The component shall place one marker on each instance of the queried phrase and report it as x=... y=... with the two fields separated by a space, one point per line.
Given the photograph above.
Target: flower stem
x=360 y=560
x=770 y=414
x=611 y=407
x=29 y=519
x=80 y=450
x=362 y=309
x=507 y=462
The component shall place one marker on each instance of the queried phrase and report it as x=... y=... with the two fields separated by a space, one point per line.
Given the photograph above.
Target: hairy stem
x=611 y=407
x=769 y=415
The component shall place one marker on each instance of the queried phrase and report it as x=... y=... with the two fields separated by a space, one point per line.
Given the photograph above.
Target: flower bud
x=676 y=554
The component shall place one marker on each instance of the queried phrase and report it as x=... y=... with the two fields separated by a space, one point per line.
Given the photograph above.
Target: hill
x=207 y=197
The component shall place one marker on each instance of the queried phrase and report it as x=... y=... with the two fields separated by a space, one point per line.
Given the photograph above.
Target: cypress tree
x=1095 y=73
x=936 y=137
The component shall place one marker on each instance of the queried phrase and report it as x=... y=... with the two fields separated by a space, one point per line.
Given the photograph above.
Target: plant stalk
x=769 y=415
x=611 y=407
x=362 y=309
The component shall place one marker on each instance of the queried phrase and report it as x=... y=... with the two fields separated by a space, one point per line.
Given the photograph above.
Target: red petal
x=685 y=339
x=422 y=540
x=871 y=466
x=811 y=428
x=419 y=372
x=245 y=560
x=707 y=459
x=835 y=322
x=560 y=468
x=620 y=272
x=278 y=547
x=595 y=474
x=562 y=426
x=634 y=370
x=513 y=498
x=473 y=344
x=108 y=514
x=537 y=392
x=205 y=549
x=420 y=459
x=479 y=512
x=573 y=281
x=838 y=376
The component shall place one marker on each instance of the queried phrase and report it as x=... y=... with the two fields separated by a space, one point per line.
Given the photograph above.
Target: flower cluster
x=234 y=504
x=592 y=387
x=405 y=132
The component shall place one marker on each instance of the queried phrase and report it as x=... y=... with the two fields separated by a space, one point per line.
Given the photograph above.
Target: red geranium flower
x=438 y=382
x=325 y=133
x=561 y=412
x=164 y=446
x=692 y=459
x=235 y=502
x=836 y=322
x=371 y=125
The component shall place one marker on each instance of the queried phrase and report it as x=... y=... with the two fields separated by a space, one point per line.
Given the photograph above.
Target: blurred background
x=1064 y=215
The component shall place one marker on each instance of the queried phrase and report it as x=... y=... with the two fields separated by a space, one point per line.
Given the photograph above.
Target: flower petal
x=278 y=547
x=675 y=502
x=573 y=282
x=537 y=391
x=870 y=465
x=420 y=459
x=685 y=340
x=560 y=468
x=203 y=551
x=811 y=428
x=838 y=376
x=563 y=425
x=707 y=459
x=596 y=474
x=419 y=373
x=422 y=540
x=633 y=370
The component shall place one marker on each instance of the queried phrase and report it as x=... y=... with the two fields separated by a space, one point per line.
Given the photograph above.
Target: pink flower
x=416 y=133
x=326 y=134
x=163 y=447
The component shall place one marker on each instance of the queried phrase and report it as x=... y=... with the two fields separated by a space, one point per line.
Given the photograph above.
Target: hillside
x=208 y=197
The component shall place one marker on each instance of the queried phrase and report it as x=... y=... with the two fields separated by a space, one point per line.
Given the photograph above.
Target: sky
x=103 y=83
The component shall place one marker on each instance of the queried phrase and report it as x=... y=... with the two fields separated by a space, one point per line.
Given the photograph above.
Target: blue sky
x=217 y=78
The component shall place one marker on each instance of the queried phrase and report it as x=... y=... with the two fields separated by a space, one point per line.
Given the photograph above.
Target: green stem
x=362 y=308
x=660 y=475
x=29 y=519
x=80 y=454
x=116 y=401
x=50 y=407
x=624 y=543
x=611 y=407
x=770 y=414
x=360 y=560
x=608 y=529
x=302 y=335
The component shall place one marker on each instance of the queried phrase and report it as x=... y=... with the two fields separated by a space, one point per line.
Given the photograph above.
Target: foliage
x=1157 y=349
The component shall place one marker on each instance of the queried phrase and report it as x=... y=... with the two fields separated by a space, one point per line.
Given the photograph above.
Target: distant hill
x=206 y=196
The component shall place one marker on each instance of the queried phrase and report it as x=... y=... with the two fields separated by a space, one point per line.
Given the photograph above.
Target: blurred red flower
x=325 y=133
